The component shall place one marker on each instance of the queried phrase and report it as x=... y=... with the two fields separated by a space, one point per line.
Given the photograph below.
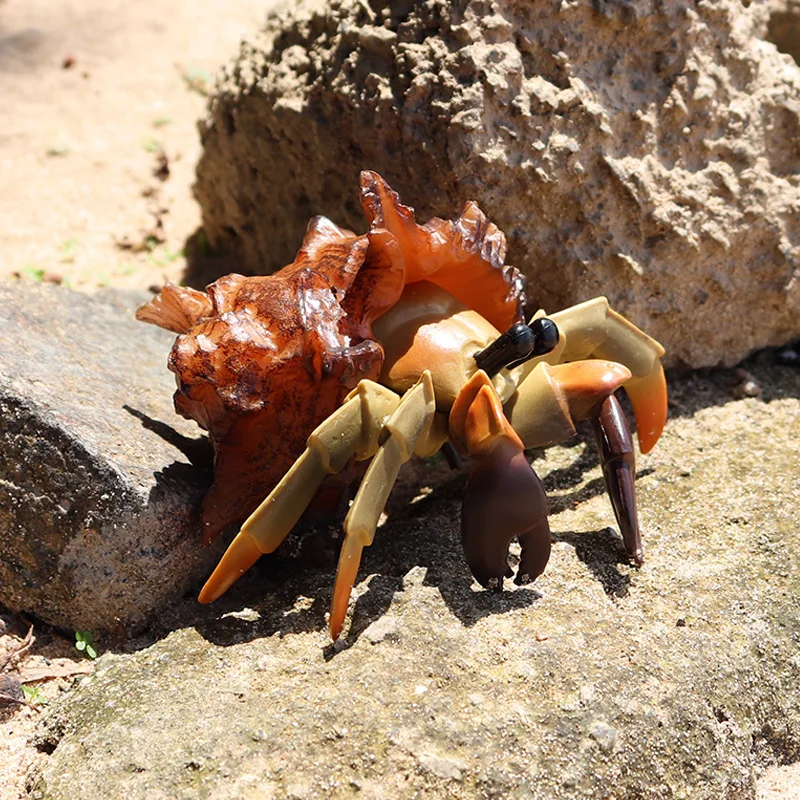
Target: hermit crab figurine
x=389 y=344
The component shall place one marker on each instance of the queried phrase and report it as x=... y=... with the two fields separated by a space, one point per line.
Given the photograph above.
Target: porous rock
x=646 y=151
x=98 y=496
x=678 y=680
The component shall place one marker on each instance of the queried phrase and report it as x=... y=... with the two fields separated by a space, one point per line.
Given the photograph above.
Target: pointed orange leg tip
x=339 y=603
x=649 y=399
x=345 y=579
x=239 y=557
x=335 y=625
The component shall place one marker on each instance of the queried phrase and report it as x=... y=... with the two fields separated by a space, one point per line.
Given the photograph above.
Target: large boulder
x=646 y=151
x=678 y=680
x=100 y=480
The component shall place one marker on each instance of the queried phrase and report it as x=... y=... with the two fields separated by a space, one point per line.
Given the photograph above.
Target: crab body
x=378 y=347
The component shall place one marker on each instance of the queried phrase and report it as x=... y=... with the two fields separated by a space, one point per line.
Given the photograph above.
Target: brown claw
x=615 y=444
x=504 y=498
x=535 y=544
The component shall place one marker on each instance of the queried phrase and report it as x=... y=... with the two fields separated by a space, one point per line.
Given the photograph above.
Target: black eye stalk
x=518 y=344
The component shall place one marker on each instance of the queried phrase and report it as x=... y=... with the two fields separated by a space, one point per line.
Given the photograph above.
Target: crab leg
x=615 y=444
x=551 y=399
x=549 y=403
x=411 y=429
x=353 y=430
x=594 y=330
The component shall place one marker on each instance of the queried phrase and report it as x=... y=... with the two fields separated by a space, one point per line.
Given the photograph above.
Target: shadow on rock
x=284 y=594
x=204 y=265
x=197 y=450
x=289 y=591
x=602 y=552
x=768 y=375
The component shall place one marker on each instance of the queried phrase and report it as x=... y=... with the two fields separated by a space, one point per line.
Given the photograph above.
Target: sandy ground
x=98 y=140
x=98 y=144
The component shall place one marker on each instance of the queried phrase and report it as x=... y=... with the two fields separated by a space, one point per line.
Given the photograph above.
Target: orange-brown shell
x=261 y=361
x=464 y=256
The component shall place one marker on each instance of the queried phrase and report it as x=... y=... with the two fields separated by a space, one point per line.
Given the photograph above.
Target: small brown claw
x=615 y=444
x=504 y=497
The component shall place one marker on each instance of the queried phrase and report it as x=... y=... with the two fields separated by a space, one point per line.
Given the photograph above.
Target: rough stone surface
x=646 y=151
x=679 y=680
x=98 y=523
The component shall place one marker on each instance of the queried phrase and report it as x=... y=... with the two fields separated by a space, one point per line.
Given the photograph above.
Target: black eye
x=519 y=343
x=545 y=332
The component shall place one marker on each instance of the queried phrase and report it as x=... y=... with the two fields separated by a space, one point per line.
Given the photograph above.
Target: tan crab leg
x=504 y=497
x=566 y=393
x=552 y=399
x=593 y=330
x=648 y=397
x=352 y=430
x=411 y=429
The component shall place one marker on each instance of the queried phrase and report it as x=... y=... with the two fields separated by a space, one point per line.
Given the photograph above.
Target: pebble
x=788 y=357
x=383 y=628
x=604 y=735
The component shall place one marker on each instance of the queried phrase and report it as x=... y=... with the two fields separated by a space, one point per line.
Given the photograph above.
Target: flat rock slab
x=678 y=680
x=98 y=496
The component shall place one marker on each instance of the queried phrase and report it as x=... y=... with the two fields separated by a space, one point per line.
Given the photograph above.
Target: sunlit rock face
x=648 y=152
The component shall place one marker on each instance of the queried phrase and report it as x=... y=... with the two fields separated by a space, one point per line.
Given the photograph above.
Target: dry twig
x=25 y=645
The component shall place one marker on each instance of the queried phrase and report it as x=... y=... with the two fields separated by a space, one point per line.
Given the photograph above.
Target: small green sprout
x=152 y=145
x=32 y=273
x=160 y=122
x=198 y=80
x=33 y=694
x=84 y=643
x=68 y=250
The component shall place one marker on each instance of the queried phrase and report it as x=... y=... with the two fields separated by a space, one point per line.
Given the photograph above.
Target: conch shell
x=261 y=361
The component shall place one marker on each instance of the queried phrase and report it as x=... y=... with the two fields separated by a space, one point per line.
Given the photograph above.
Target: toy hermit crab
x=390 y=344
